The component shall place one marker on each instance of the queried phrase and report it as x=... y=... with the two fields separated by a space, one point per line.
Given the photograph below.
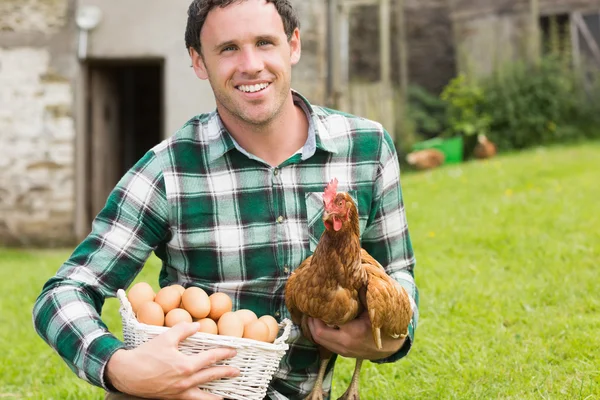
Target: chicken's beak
x=326 y=215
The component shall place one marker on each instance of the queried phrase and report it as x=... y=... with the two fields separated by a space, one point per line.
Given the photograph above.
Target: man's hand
x=354 y=339
x=157 y=369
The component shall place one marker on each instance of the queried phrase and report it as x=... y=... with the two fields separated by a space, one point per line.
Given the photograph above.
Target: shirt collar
x=220 y=141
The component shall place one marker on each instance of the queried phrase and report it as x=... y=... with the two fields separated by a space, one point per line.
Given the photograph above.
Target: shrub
x=465 y=107
x=533 y=105
x=427 y=112
x=523 y=105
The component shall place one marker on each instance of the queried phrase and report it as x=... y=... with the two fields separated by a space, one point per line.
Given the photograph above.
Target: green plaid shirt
x=224 y=220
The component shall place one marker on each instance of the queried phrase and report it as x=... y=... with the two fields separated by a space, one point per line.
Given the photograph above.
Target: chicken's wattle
x=337 y=223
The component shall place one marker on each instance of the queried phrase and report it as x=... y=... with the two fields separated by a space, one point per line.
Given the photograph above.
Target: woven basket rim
x=128 y=317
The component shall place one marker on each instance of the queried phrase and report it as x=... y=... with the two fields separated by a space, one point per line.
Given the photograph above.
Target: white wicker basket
x=257 y=361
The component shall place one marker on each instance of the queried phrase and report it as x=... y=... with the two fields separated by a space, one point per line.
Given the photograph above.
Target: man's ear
x=295 y=47
x=198 y=64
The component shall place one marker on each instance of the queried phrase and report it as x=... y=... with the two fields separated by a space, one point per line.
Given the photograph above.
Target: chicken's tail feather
x=375 y=329
x=377 y=337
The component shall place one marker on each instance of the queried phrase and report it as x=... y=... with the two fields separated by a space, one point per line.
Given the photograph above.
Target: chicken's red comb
x=330 y=191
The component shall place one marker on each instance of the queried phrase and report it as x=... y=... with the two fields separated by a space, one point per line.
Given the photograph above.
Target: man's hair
x=199 y=9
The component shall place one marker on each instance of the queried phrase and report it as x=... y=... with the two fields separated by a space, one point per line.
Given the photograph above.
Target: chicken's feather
x=341 y=279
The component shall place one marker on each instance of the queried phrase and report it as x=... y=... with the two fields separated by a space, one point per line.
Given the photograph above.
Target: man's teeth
x=253 y=88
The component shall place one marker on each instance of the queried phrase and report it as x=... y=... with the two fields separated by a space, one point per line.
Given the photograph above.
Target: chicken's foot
x=317 y=391
x=352 y=391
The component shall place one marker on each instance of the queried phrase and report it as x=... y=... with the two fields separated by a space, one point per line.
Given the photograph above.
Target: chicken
x=341 y=280
x=426 y=159
x=484 y=148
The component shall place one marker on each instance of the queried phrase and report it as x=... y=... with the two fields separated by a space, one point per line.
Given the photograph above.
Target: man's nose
x=251 y=62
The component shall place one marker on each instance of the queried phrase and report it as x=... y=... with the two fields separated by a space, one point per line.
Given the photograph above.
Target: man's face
x=248 y=60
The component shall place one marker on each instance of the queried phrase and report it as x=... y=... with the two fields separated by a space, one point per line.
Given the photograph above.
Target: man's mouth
x=253 y=88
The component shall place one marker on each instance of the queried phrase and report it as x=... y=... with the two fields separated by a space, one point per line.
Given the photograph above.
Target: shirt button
x=276 y=171
x=280 y=219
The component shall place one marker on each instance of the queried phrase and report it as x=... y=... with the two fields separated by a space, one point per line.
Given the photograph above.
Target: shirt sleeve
x=386 y=235
x=67 y=312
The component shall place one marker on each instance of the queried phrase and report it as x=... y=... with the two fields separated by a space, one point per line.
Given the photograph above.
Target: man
x=231 y=203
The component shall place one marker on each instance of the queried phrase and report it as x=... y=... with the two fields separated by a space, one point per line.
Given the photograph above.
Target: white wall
x=153 y=28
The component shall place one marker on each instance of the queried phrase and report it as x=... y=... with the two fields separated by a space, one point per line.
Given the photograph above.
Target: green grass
x=507 y=254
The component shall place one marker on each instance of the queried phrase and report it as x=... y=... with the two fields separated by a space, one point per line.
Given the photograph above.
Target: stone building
x=488 y=33
x=74 y=117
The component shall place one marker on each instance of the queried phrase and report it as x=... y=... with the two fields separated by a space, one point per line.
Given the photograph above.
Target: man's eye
x=228 y=48
x=263 y=43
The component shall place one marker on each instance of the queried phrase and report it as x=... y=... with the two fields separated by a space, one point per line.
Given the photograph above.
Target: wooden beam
x=575 y=45
x=343 y=32
x=331 y=57
x=355 y=3
x=534 y=50
x=402 y=50
x=384 y=41
x=587 y=35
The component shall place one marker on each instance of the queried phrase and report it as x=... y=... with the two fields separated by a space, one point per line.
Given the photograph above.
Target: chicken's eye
x=340 y=203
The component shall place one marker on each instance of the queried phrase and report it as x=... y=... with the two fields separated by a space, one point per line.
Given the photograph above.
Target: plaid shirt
x=224 y=220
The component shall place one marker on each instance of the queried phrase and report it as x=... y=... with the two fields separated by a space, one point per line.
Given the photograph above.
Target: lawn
x=508 y=253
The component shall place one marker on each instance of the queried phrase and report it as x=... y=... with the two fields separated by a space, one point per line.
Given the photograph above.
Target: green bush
x=519 y=106
x=466 y=112
x=532 y=105
x=524 y=105
x=427 y=112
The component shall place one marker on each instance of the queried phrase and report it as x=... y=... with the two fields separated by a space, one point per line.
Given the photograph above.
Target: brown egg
x=207 y=325
x=196 y=302
x=220 y=303
x=168 y=298
x=151 y=313
x=230 y=324
x=179 y=287
x=246 y=316
x=140 y=293
x=257 y=330
x=176 y=316
x=273 y=327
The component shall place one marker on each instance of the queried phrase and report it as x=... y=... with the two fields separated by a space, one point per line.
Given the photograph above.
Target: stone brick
x=46 y=16
x=36 y=151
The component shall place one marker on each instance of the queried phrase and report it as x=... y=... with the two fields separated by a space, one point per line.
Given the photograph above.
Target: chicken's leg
x=317 y=391
x=352 y=391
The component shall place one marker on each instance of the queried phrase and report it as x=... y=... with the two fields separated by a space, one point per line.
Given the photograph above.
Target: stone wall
x=489 y=33
x=486 y=7
x=36 y=123
x=47 y=16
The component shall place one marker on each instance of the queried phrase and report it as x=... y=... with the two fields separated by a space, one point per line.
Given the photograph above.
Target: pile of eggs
x=174 y=304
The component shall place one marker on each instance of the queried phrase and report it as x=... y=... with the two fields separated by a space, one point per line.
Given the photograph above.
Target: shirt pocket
x=314 y=213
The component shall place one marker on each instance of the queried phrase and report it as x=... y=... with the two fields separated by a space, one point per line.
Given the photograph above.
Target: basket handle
x=287 y=327
x=125 y=309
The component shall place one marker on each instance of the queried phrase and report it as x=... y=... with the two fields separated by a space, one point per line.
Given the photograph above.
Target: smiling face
x=247 y=58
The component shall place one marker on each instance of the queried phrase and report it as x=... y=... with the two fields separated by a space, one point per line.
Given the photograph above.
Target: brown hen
x=484 y=148
x=340 y=280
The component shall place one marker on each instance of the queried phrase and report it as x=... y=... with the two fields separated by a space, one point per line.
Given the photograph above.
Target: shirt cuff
x=100 y=351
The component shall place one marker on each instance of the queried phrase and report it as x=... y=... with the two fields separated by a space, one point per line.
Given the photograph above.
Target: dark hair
x=199 y=9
